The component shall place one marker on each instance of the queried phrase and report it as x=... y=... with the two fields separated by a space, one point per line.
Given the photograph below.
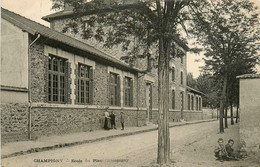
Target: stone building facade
x=249 y=114
x=182 y=97
x=62 y=85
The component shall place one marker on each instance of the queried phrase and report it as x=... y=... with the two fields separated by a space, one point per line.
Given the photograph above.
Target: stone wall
x=192 y=115
x=38 y=72
x=209 y=113
x=141 y=103
x=100 y=85
x=14 y=122
x=175 y=116
x=249 y=126
x=56 y=120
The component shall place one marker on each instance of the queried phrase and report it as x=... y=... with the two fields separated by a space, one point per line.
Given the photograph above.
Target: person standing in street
x=106 y=119
x=113 y=120
x=122 y=120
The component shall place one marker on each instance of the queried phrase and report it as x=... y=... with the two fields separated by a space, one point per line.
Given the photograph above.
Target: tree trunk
x=237 y=115
x=226 y=116
x=231 y=113
x=217 y=112
x=163 y=156
x=222 y=101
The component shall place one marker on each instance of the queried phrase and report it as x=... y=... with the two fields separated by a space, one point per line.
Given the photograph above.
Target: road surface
x=188 y=144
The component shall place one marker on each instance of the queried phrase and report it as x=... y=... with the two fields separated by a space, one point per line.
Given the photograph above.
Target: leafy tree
x=191 y=82
x=228 y=30
x=152 y=24
x=239 y=66
x=209 y=86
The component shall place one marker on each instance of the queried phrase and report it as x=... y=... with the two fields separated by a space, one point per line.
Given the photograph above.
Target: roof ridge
x=22 y=16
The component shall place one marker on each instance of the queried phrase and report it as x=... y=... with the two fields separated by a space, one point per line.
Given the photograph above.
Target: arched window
x=173 y=99
x=188 y=101
x=181 y=77
x=173 y=73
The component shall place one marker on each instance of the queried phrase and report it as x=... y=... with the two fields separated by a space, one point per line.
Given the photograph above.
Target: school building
x=55 y=83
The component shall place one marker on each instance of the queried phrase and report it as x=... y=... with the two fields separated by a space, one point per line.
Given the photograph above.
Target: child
x=122 y=120
x=220 y=151
x=230 y=151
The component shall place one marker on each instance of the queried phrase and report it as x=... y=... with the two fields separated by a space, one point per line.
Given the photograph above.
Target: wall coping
x=192 y=111
x=176 y=110
x=12 y=88
x=248 y=76
x=49 y=105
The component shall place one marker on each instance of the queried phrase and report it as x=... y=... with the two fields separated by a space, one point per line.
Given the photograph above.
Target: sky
x=36 y=9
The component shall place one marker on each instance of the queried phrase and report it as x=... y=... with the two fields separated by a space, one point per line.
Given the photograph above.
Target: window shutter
x=91 y=86
x=46 y=78
x=124 y=91
x=76 y=83
x=131 y=92
x=119 y=91
x=108 y=89
x=151 y=96
x=173 y=99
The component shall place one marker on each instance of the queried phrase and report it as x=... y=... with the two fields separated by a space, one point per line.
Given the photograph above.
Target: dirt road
x=191 y=145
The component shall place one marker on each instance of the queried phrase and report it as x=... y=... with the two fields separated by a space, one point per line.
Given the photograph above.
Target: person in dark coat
x=122 y=120
x=113 y=120
x=106 y=119
x=230 y=151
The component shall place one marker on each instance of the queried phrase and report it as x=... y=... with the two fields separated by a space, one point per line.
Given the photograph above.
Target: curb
x=57 y=146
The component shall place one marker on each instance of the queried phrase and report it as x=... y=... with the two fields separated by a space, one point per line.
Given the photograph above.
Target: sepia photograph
x=130 y=83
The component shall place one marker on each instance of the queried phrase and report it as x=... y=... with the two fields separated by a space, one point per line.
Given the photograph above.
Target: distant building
x=249 y=104
x=52 y=83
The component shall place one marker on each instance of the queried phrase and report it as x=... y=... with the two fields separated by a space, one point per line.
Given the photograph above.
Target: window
x=197 y=102
x=181 y=59
x=173 y=73
x=85 y=84
x=192 y=103
x=182 y=100
x=114 y=89
x=189 y=102
x=181 y=77
x=56 y=79
x=128 y=92
x=173 y=99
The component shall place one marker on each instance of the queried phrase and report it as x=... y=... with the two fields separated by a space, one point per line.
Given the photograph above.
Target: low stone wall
x=209 y=113
x=175 y=116
x=49 y=121
x=192 y=115
x=14 y=122
x=61 y=119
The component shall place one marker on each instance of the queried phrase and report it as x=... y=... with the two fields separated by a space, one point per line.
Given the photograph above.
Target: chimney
x=68 y=7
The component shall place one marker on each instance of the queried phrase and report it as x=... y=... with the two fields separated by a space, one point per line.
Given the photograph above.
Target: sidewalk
x=54 y=142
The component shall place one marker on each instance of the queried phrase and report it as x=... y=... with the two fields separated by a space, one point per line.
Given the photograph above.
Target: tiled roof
x=36 y=28
x=245 y=76
x=57 y=15
x=194 y=90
